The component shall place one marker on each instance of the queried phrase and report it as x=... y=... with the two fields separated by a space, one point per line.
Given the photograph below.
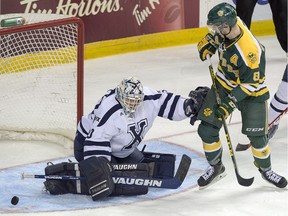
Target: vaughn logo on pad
x=137 y=181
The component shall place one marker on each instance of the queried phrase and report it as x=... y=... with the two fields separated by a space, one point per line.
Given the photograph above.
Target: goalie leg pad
x=98 y=173
x=56 y=187
x=160 y=165
x=138 y=171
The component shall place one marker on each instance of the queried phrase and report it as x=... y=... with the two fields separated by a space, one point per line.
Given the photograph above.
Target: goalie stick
x=242 y=181
x=244 y=147
x=171 y=183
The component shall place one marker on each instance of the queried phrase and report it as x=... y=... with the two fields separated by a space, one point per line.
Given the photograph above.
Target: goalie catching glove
x=208 y=45
x=193 y=104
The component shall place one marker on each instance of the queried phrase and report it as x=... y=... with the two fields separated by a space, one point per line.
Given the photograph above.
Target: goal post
x=41 y=78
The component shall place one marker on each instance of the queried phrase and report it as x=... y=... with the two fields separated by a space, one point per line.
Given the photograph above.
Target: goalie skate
x=211 y=175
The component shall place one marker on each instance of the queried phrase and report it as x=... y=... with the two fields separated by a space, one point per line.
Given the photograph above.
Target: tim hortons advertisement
x=113 y=19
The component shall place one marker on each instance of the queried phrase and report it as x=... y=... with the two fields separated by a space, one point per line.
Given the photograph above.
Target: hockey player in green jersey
x=240 y=81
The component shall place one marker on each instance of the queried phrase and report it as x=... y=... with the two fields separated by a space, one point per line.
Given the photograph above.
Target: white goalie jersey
x=108 y=131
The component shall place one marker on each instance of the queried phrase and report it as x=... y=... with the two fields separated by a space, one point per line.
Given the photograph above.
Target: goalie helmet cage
x=41 y=78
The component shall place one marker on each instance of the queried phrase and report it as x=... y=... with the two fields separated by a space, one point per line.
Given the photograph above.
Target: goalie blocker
x=98 y=172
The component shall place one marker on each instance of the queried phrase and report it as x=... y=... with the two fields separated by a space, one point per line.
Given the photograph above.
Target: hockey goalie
x=106 y=141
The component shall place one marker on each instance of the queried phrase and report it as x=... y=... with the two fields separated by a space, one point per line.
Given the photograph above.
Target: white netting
x=38 y=79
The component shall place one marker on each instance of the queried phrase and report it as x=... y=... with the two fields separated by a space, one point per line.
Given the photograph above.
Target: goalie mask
x=222 y=18
x=130 y=95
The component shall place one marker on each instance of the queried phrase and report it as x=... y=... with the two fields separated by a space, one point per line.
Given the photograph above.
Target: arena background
x=121 y=26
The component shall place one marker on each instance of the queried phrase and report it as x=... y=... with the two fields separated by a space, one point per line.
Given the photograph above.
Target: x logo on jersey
x=137 y=135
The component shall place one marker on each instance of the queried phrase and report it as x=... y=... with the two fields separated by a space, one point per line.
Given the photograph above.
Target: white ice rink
x=178 y=70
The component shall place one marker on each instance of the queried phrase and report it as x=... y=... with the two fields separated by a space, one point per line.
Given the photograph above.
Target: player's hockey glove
x=193 y=104
x=207 y=45
x=225 y=108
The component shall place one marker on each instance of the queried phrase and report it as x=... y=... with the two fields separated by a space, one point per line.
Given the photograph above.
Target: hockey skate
x=273 y=178
x=212 y=174
x=272 y=130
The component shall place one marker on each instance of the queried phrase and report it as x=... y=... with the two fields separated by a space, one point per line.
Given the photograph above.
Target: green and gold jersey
x=241 y=68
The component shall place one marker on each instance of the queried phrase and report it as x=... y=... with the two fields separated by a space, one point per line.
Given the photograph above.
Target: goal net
x=41 y=78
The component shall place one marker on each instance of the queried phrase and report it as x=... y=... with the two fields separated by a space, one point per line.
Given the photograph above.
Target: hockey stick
x=244 y=147
x=171 y=183
x=242 y=181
